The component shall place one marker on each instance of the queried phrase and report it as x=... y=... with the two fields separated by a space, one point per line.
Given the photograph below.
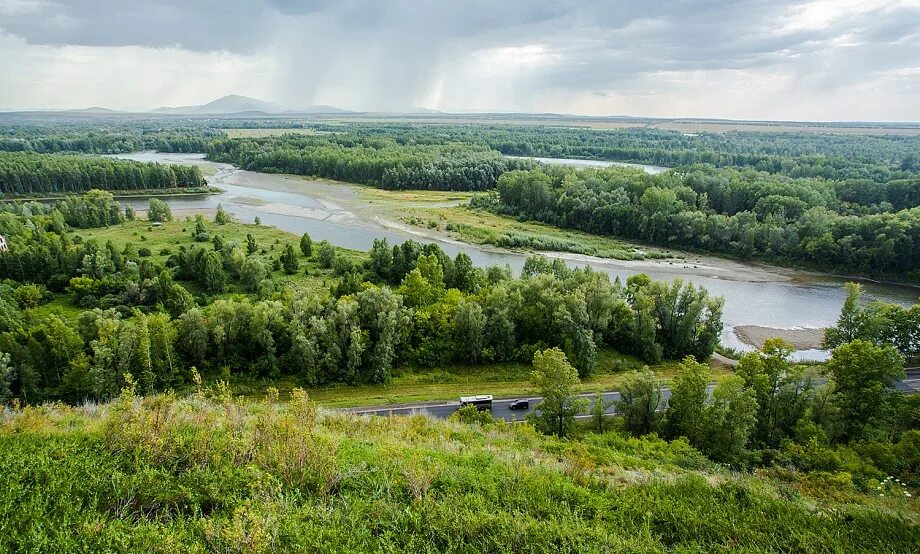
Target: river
x=331 y=211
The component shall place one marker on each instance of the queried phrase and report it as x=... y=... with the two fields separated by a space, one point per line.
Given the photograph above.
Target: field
x=682 y=125
x=482 y=227
x=259 y=133
x=213 y=474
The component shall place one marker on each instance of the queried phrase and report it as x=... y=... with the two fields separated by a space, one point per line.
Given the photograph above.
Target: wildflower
x=907 y=494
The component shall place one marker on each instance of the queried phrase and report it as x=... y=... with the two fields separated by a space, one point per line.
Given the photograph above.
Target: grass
x=212 y=474
x=165 y=240
x=418 y=385
x=482 y=227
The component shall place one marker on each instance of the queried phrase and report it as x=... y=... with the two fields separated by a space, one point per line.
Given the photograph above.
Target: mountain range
x=234 y=103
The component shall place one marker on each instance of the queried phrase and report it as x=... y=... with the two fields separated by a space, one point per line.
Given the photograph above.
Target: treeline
x=403 y=305
x=29 y=173
x=378 y=161
x=741 y=213
x=105 y=138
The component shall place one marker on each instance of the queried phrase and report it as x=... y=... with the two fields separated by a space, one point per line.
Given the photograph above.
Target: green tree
x=252 y=273
x=326 y=253
x=306 y=245
x=221 y=217
x=729 y=420
x=783 y=390
x=158 y=210
x=688 y=400
x=7 y=375
x=251 y=246
x=640 y=401
x=213 y=276
x=556 y=381
x=864 y=377
x=289 y=261
x=599 y=407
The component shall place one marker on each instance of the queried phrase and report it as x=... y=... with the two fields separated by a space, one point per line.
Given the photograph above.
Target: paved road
x=501 y=410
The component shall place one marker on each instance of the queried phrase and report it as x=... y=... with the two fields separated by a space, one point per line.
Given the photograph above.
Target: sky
x=749 y=59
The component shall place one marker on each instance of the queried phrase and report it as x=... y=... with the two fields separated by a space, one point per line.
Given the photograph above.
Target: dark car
x=519 y=404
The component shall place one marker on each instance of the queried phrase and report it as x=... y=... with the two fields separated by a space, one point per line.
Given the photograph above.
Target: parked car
x=520 y=404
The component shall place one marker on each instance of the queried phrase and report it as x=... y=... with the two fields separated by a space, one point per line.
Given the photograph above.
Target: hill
x=195 y=475
x=236 y=104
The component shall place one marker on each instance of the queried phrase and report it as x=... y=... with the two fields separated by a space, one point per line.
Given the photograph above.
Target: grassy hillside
x=211 y=474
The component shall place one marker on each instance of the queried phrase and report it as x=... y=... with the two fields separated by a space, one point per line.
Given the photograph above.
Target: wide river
x=753 y=295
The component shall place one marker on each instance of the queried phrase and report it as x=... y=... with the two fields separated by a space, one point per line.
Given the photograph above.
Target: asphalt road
x=501 y=410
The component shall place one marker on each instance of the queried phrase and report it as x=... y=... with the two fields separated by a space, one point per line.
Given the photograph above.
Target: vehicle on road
x=482 y=402
x=519 y=404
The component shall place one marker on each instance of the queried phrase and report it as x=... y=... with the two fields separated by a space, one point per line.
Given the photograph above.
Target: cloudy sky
x=752 y=59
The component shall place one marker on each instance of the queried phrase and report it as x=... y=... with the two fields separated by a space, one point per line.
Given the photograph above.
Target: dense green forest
x=405 y=304
x=380 y=160
x=870 y=229
x=107 y=137
x=29 y=173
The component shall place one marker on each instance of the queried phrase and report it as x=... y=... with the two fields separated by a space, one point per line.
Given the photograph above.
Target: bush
x=144 y=252
x=472 y=415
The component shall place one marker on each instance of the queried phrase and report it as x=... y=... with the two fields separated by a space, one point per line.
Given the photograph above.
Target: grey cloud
x=387 y=54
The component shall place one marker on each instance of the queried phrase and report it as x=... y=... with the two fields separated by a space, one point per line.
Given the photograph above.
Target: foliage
x=640 y=402
x=556 y=379
x=159 y=210
x=29 y=173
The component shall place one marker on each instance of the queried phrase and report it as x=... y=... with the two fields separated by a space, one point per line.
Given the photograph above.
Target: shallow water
x=334 y=212
x=577 y=163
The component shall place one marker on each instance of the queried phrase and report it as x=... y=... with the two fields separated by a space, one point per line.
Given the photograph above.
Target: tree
x=864 y=377
x=556 y=380
x=687 y=403
x=252 y=273
x=213 y=276
x=599 y=408
x=6 y=378
x=289 y=261
x=306 y=245
x=640 y=400
x=326 y=254
x=200 y=234
x=221 y=217
x=158 y=210
x=130 y=214
x=728 y=420
x=251 y=246
x=469 y=332
x=783 y=391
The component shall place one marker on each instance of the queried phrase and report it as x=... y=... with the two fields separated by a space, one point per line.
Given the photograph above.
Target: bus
x=482 y=402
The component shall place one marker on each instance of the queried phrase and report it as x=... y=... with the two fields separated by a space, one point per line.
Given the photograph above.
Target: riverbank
x=801 y=339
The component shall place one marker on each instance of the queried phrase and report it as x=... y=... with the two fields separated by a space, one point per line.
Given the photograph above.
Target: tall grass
x=211 y=473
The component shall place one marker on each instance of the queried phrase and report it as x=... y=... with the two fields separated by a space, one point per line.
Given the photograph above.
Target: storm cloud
x=822 y=59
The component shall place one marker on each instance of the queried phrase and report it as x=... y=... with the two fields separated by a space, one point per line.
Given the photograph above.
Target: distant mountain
x=232 y=103
x=236 y=104
x=321 y=109
x=93 y=110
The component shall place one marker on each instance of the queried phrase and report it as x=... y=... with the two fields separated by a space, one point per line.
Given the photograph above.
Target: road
x=501 y=410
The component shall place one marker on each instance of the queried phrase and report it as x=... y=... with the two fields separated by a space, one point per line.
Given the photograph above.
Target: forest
x=30 y=173
x=405 y=304
x=863 y=228
x=105 y=137
x=380 y=161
